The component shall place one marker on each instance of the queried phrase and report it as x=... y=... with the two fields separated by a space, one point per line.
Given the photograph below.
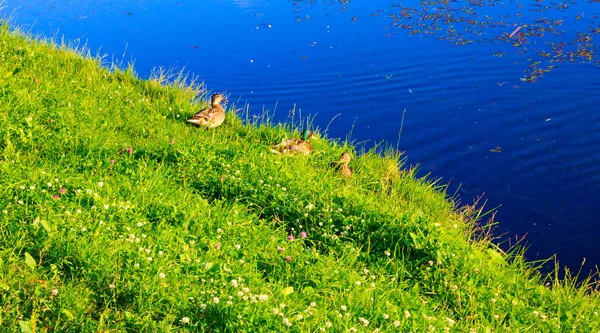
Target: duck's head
x=217 y=99
x=345 y=158
x=306 y=135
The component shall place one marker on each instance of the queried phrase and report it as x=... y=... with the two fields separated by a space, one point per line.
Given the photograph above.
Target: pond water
x=499 y=97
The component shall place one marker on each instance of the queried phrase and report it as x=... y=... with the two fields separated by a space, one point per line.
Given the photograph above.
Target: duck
x=213 y=116
x=343 y=165
x=295 y=145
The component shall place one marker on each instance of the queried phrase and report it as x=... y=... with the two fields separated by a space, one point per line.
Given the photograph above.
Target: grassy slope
x=117 y=215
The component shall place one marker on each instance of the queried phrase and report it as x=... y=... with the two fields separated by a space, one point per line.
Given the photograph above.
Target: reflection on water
x=500 y=97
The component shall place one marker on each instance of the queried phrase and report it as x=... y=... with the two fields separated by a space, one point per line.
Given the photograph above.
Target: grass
x=117 y=216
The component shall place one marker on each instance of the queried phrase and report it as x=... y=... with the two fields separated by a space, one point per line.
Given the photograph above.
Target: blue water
x=472 y=115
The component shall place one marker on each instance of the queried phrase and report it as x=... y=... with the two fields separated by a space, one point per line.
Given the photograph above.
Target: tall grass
x=116 y=215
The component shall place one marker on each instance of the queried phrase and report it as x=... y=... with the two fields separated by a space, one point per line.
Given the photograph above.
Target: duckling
x=343 y=165
x=213 y=116
x=295 y=145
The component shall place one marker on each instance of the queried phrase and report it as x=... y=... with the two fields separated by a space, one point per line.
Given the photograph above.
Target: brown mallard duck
x=343 y=165
x=212 y=116
x=295 y=145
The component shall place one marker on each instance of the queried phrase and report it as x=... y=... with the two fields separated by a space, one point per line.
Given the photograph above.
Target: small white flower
x=313 y=304
x=275 y=311
x=111 y=286
x=299 y=317
x=287 y=322
x=161 y=275
x=397 y=323
x=237 y=246
x=88 y=191
x=328 y=324
x=357 y=283
x=406 y=314
x=343 y=307
x=234 y=283
x=364 y=321
x=100 y=184
x=105 y=207
x=387 y=253
x=49 y=184
x=139 y=224
x=20 y=202
x=215 y=300
x=54 y=292
x=385 y=316
x=185 y=320
x=83 y=229
x=219 y=230
x=149 y=258
x=263 y=298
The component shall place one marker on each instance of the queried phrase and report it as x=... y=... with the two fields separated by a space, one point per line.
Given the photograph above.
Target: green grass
x=116 y=215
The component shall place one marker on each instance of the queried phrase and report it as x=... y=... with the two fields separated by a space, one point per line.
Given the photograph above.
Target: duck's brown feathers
x=211 y=117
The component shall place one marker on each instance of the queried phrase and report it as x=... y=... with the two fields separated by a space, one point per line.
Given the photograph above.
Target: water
x=479 y=115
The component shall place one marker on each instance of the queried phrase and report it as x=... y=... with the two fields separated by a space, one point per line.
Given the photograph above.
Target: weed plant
x=116 y=215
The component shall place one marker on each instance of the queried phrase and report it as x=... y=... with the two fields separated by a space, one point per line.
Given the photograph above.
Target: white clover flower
x=88 y=191
x=237 y=246
x=234 y=283
x=328 y=324
x=49 y=184
x=397 y=323
x=149 y=259
x=215 y=300
x=287 y=322
x=54 y=292
x=100 y=184
x=161 y=275
x=343 y=307
x=139 y=224
x=219 y=230
x=313 y=304
x=406 y=314
x=275 y=311
x=364 y=321
x=185 y=320
x=111 y=286
x=263 y=298
x=385 y=316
